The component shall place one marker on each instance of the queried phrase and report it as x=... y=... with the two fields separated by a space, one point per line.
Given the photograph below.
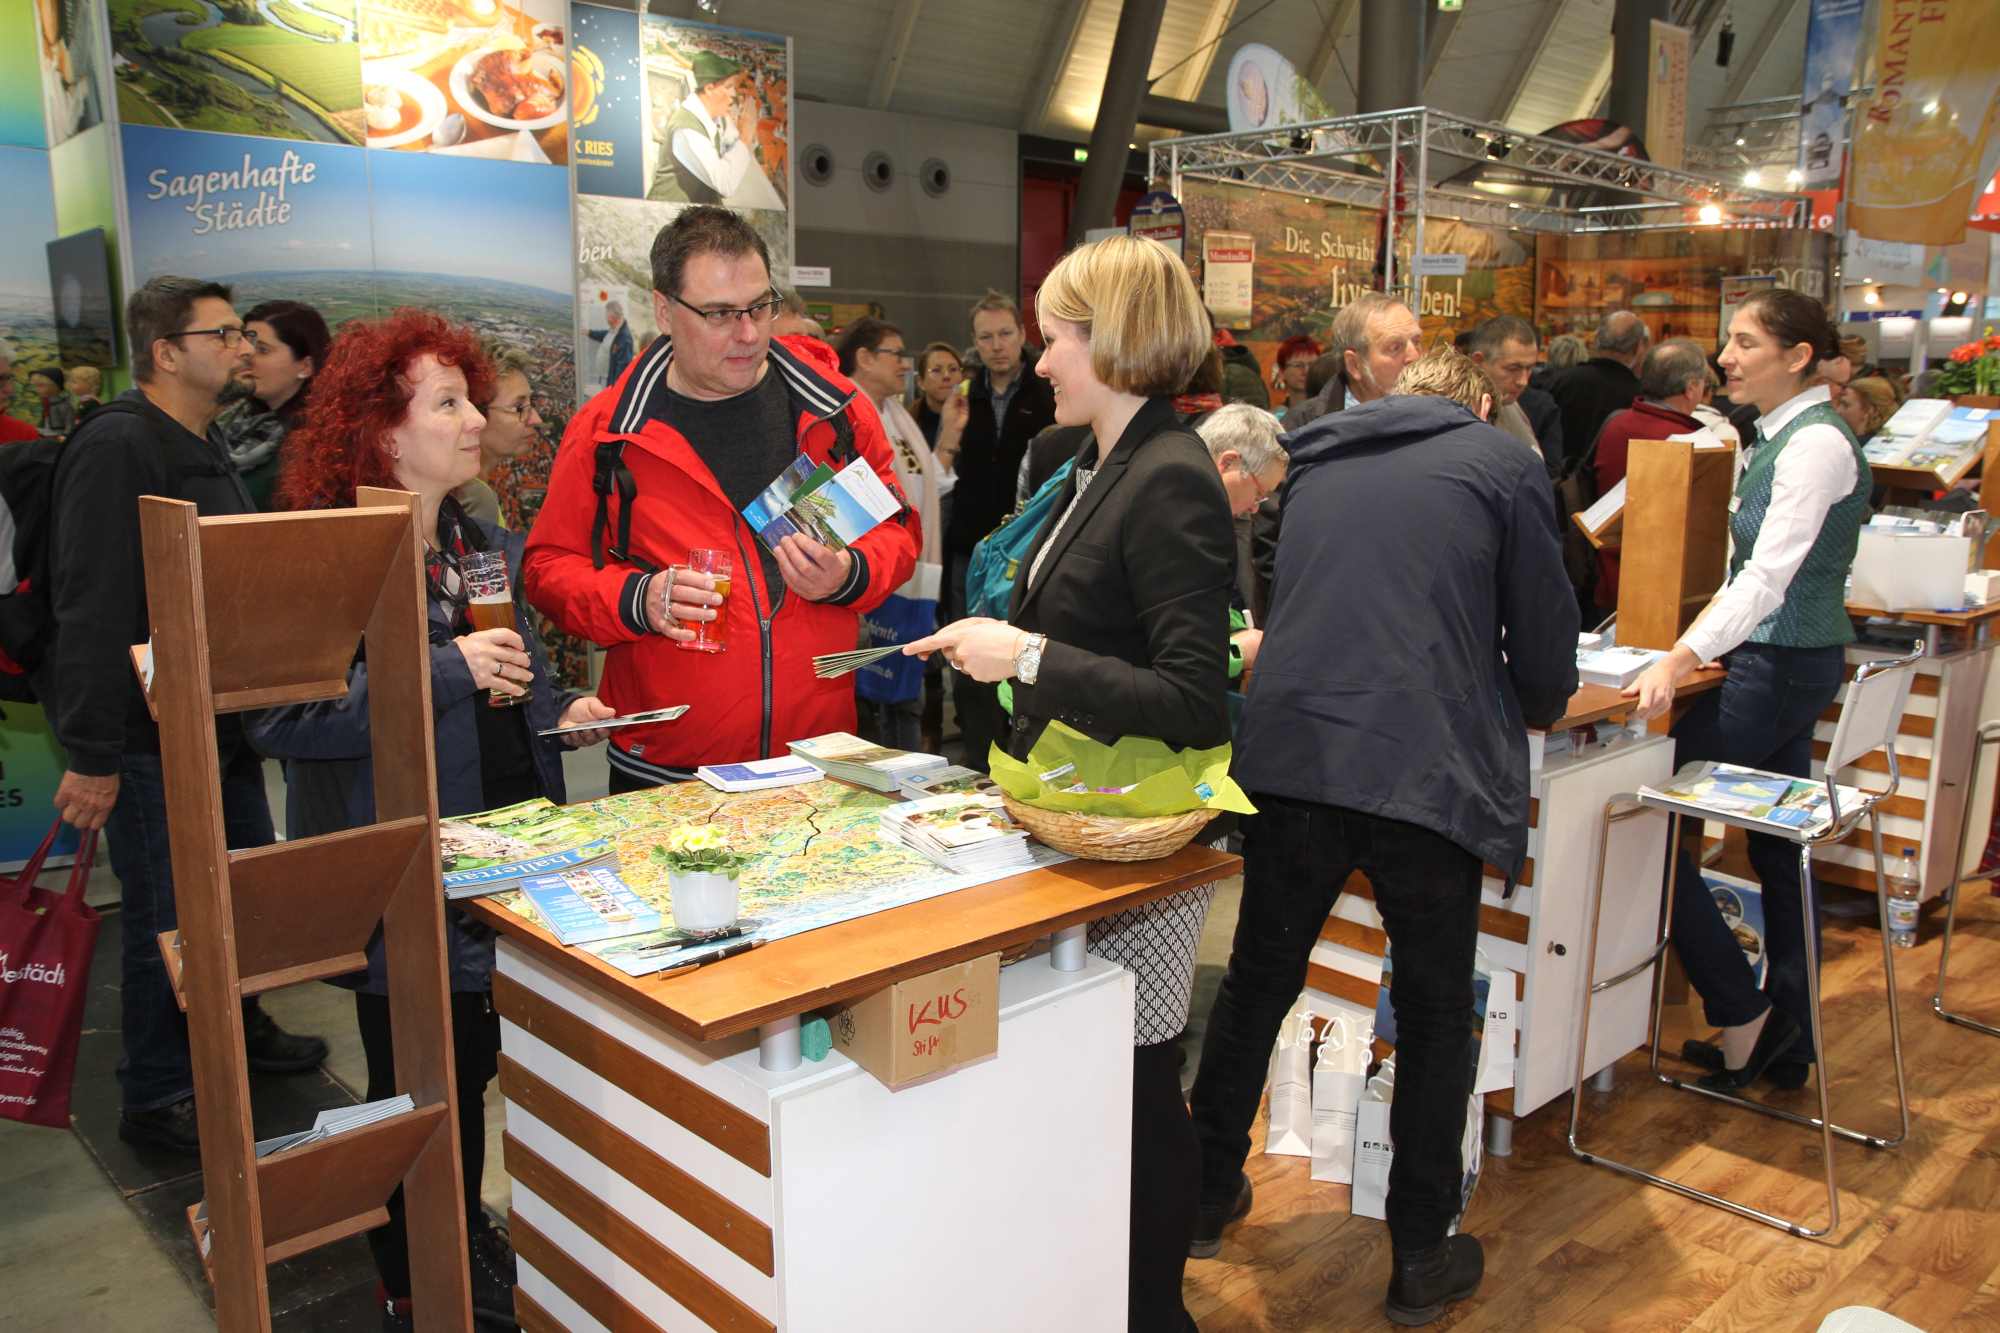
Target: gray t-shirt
x=746 y=441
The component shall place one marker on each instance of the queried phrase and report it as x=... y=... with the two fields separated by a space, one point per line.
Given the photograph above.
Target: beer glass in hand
x=492 y=607
x=710 y=635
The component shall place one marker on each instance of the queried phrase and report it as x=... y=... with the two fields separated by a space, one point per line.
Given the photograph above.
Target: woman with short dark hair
x=1780 y=625
x=291 y=342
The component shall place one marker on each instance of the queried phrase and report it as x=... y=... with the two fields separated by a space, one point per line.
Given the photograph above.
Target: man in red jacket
x=1673 y=382
x=663 y=462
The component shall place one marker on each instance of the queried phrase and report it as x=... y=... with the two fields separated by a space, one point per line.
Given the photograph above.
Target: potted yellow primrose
x=701 y=873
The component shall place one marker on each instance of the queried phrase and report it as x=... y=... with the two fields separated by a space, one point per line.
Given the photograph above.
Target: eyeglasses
x=521 y=410
x=901 y=354
x=231 y=335
x=761 y=313
x=1298 y=365
x=950 y=372
x=1251 y=477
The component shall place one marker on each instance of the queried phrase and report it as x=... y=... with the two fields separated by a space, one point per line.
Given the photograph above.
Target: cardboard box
x=925 y=1025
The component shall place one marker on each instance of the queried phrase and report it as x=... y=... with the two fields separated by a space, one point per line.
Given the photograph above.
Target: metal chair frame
x=1626 y=805
x=1989 y=734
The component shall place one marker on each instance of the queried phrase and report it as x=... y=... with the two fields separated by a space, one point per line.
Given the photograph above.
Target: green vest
x=672 y=181
x=1814 y=612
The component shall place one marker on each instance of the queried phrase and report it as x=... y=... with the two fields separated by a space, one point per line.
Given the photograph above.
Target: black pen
x=666 y=945
x=745 y=947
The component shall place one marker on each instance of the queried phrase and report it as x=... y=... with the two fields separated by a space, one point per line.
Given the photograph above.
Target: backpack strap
x=612 y=474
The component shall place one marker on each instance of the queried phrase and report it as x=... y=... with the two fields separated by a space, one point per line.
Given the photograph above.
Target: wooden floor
x=1573 y=1247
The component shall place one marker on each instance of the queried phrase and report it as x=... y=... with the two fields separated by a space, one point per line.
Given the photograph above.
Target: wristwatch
x=1028 y=662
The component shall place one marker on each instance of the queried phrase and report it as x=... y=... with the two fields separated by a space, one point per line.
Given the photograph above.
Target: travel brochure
x=961 y=832
x=812 y=500
x=1747 y=793
x=852 y=759
x=1932 y=434
x=759 y=774
x=583 y=906
x=495 y=850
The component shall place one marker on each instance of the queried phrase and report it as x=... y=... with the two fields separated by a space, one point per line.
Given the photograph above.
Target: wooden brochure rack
x=251 y=612
x=1676 y=538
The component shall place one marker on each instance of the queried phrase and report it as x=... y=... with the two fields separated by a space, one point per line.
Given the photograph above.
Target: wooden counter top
x=1954 y=619
x=840 y=962
x=1597 y=703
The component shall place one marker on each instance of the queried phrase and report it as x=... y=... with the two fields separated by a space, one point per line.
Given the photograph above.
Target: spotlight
x=1741 y=142
x=1753 y=178
x=1872 y=298
x=1958 y=298
x=1793 y=177
x=1710 y=214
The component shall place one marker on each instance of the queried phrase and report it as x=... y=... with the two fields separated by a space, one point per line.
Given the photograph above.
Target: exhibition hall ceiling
x=1038 y=65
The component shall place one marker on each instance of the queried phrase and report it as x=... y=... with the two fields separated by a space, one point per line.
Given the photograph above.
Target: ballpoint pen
x=745 y=947
x=666 y=946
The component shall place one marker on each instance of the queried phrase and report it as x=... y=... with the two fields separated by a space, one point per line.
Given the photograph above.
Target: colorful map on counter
x=819 y=862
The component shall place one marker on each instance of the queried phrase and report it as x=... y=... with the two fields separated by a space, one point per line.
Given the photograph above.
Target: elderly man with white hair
x=1243 y=441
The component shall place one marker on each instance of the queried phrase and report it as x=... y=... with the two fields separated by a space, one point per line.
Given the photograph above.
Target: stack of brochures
x=584 y=906
x=951 y=781
x=1930 y=433
x=852 y=759
x=338 y=1121
x=757 y=774
x=1796 y=804
x=496 y=849
x=963 y=833
x=1615 y=667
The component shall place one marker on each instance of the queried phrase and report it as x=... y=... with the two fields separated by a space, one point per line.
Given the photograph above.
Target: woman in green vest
x=1780 y=625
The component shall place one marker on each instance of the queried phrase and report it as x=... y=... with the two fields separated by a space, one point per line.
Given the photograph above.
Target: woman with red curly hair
x=393 y=407
x=1288 y=373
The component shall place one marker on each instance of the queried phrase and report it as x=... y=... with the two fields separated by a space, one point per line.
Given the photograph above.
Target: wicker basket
x=1110 y=837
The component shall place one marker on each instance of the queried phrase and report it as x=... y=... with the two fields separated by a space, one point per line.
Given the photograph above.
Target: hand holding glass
x=492 y=607
x=714 y=569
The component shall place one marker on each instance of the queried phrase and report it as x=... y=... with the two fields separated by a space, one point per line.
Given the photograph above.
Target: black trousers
x=1296 y=857
x=1166 y=1181
x=475 y=1042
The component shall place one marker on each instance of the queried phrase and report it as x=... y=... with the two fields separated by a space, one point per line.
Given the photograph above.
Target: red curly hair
x=360 y=395
x=1293 y=346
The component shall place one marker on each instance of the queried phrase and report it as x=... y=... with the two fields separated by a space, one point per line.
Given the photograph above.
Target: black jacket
x=1332 y=397
x=989 y=462
x=1420 y=621
x=1134 y=595
x=1589 y=394
x=1545 y=419
x=98 y=575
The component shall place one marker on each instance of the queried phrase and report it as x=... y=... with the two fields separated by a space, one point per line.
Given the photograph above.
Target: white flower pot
x=703 y=902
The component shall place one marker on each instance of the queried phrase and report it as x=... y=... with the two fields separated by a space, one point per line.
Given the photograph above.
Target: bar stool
x=1989 y=734
x=1868 y=720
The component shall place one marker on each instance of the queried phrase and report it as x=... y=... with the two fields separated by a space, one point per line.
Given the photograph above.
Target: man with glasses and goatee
x=188 y=346
x=663 y=462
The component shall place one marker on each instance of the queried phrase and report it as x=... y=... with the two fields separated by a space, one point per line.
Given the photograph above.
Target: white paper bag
x=1289 y=1133
x=1338 y=1078
x=1496 y=1044
x=1374 y=1150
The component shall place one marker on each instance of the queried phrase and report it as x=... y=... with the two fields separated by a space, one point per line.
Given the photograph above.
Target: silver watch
x=1028 y=662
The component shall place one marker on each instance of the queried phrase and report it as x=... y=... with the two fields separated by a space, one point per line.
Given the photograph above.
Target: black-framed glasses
x=761 y=313
x=900 y=353
x=232 y=335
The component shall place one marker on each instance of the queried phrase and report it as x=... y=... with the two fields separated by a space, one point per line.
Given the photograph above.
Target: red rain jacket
x=748 y=701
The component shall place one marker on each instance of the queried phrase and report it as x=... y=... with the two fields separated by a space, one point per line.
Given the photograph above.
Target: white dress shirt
x=719 y=158
x=1814 y=473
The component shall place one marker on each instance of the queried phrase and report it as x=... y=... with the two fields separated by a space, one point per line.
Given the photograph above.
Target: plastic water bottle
x=1905 y=892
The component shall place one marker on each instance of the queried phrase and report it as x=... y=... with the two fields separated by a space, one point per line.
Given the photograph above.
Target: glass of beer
x=492 y=606
x=710 y=635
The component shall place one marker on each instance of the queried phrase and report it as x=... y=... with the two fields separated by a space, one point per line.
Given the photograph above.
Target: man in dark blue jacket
x=1420 y=622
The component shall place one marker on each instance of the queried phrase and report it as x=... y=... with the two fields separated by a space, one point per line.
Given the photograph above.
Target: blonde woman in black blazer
x=1120 y=626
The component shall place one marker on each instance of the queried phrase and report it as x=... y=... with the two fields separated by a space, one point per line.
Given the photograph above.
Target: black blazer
x=1134 y=595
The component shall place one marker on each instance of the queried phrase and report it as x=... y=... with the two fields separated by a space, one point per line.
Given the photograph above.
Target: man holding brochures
x=1780 y=625
x=714 y=418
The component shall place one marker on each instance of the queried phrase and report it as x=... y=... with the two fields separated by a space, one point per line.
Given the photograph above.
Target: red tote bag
x=46 y=943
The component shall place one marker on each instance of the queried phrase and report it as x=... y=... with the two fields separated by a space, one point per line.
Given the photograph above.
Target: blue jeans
x=1296 y=856
x=1762 y=716
x=155 y=1071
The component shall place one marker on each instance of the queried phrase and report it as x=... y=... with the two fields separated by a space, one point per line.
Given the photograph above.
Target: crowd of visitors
x=1374 y=602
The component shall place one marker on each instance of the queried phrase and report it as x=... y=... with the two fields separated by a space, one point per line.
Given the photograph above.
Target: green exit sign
x=1451 y=6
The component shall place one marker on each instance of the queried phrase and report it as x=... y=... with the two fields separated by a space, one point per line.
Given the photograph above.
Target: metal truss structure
x=1341 y=160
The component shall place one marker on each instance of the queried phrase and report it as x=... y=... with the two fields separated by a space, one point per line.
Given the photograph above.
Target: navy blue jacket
x=1420 y=621
x=338 y=729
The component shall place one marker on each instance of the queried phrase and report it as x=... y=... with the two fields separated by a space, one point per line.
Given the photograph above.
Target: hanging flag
x=1986 y=213
x=1666 y=92
x=1833 y=34
x=1920 y=148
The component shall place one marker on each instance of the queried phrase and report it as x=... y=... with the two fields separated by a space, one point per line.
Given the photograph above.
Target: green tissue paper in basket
x=1135 y=778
